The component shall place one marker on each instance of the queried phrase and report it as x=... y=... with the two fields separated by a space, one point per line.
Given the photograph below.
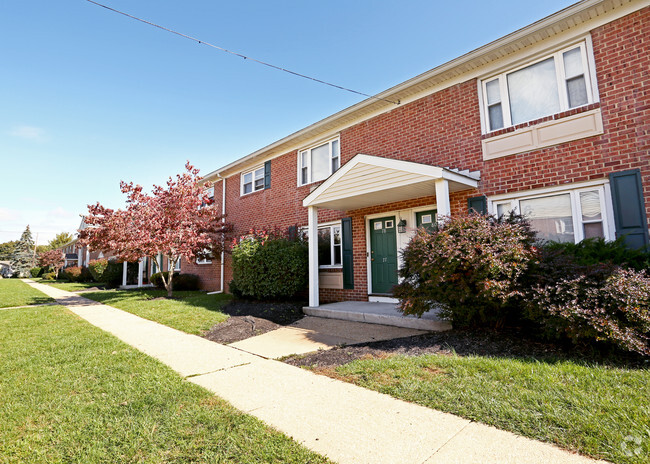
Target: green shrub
x=179 y=282
x=49 y=276
x=472 y=266
x=270 y=265
x=112 y=275
x=73 y=273
x=36 y=271
x=594 y=251
x=97 y=267
x=185 y=282
x=157 y=281
x=603 y=303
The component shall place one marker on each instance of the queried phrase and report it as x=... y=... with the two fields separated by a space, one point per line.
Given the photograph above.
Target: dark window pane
x=594 y=230
x=324 y=247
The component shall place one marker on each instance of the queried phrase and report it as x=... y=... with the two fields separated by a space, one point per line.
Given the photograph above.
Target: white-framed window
x=252 y=181
x=318 y=162
x=177 y=268
x=549 y=85
x=330 y=245
x=206 y=259
x=563 y=215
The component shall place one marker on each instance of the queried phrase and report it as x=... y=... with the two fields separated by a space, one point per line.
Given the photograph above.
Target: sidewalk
x=348 y=424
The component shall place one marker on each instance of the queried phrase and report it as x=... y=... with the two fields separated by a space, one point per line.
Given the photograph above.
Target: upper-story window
x=550 y=85
x=252 y=181
x=318 y=162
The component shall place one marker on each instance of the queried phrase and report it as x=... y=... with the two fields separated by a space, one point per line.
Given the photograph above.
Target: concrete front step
x=378 y=313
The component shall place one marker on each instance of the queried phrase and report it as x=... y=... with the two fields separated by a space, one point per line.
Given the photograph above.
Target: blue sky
x=89 y=97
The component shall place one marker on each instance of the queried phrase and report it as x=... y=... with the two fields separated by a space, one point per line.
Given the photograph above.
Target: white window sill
x=335 y=266
x=545 y=134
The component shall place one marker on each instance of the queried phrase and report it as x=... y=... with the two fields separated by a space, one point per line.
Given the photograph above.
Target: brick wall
x=444 y=130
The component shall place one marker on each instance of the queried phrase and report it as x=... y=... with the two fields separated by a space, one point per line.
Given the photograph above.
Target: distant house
x=5 y=269
x=552 y=121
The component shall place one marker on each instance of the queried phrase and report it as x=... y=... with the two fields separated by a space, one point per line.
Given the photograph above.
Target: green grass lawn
x=596 y=410
x=68 y=286
x=71 y=393
x=14 y=292
x=191 y=312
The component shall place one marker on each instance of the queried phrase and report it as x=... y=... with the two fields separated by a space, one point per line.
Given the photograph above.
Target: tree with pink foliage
x=177 y=221
x=54 y=259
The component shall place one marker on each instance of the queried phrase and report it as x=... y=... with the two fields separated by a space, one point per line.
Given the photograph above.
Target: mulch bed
x=251 y=318
x=464 y=343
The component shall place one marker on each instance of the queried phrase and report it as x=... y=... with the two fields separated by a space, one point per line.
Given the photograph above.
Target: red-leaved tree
x=179 y=221
x=53 y=258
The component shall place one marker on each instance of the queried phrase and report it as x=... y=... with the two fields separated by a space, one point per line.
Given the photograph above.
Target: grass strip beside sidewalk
x=600 y=411
x=14 y=292
x=69 y=392
x=190 y=311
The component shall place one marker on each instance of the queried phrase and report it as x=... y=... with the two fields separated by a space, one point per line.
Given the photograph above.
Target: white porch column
x=140 y=272
x=442 y=198
x=312 y=232
x=124 y=265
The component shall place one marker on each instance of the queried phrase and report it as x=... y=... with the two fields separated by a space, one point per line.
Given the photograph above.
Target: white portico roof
x=371 y=180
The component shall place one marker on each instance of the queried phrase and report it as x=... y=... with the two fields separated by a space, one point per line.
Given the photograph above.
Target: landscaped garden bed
x=250 y=318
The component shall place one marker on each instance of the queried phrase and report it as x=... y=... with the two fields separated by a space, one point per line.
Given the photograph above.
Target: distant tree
x=22 y=259
x=178 y=221
x=42 y=249
x=54 y=259
x=59 y=240
x=7 y=250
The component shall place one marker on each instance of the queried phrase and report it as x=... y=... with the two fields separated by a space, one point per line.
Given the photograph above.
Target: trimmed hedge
x=97 y=267
x=472 y=266
x=179 y=282
x=489 y=272
x=36 y=271
x=270 y=266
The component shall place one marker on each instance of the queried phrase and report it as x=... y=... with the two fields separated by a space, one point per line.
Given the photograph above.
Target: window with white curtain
x=545 y=87
x=319 y=162
x=566 y=216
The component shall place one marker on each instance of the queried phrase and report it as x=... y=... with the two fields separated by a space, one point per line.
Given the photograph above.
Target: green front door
x=426 y=219
x=383 y=253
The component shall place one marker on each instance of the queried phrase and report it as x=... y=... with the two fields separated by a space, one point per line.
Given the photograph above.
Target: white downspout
x=223 y=219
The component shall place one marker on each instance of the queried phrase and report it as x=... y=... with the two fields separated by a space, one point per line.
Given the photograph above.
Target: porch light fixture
x=401 y=226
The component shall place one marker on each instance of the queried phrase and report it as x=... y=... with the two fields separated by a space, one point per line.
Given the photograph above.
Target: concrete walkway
x=316 y=333
x=348 y=424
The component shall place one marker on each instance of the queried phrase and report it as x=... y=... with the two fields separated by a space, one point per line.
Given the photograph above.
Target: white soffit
x=371 y=180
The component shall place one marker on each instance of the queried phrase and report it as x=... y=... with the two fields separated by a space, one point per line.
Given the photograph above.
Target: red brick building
x=552 y=121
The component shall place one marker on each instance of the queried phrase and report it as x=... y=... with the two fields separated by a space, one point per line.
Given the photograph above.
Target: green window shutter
x=478 y=204
x=629 y=207
x=348 y=268
x=267 y=174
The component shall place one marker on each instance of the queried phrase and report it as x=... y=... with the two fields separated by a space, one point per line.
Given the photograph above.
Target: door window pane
x=550 y=216
x=533 y=92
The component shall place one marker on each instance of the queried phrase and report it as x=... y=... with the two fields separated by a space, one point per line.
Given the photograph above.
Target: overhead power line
x=203 y=42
